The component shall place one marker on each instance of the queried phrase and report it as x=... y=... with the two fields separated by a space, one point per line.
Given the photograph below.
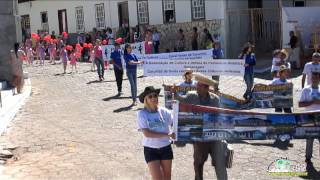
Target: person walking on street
x=155 y=122
x=216 y=149
x=217 y=53
x=250 y=61
x=98 y=59
x=310 y=100
x=117 y=66
x=131 y=66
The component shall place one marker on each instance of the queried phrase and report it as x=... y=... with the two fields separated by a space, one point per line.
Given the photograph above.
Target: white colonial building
x=233 y=20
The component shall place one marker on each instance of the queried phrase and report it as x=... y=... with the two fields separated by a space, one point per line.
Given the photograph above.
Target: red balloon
x=65 y=34
x=85 y=45
x=78 y=55
x=78 y=45
x=68 y=47
x=90 y=45
x=47 y=38
x=119 y=40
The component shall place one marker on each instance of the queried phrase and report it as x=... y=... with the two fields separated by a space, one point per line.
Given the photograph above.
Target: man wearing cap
x=117 y=66
x=216 y=149
x=310 y=101
x=310 y=67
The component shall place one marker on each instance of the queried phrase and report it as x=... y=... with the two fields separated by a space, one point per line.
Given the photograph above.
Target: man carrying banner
x=216 y=149
x=282 y=80
x=310 y=99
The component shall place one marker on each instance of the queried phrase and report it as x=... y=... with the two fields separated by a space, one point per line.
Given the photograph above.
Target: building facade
x=224 y=18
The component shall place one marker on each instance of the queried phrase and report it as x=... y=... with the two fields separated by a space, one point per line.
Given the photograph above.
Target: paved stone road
x=73 y=128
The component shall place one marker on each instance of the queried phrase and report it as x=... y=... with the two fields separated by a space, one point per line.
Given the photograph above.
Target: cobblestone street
x=73 y=127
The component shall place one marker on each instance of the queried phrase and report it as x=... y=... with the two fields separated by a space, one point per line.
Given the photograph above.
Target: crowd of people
x=154 y=121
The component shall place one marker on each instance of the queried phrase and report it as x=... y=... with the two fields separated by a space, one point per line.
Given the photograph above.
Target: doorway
x=123 y=14
x=254 y=4
x=63 y=22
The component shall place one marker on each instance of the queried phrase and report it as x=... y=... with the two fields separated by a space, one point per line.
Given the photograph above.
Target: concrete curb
x=12 y=104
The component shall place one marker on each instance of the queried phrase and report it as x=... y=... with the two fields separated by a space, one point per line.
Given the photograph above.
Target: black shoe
x=308 y=160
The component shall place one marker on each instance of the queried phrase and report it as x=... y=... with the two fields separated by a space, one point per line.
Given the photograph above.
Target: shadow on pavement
x=95 y=81
x=115 y=97
x=123 y=109
x=59 y=74
x=278 y=144
x=312 y=172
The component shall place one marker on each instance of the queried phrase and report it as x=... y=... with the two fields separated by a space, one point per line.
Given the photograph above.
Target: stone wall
x=7 y=38
x=169 y=32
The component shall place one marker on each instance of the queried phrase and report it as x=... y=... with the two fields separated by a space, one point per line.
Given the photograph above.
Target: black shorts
x=154 y=154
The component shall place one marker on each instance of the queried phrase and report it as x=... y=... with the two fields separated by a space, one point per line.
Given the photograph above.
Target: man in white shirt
x=310 y=100
x=310 y=67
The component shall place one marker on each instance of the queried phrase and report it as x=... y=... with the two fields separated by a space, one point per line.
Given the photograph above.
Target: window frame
x=77 y=21
x=97 y=18
x=192 y=11
x=147 y=13
x=174 y=11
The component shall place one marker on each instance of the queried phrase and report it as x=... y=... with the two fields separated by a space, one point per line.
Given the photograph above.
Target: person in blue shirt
x=117 y=66
x=217 y=53
x=131 y=66
x=250 y=61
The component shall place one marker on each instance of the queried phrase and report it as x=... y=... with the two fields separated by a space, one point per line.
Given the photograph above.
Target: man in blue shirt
x=217 y=53
x=117 y=66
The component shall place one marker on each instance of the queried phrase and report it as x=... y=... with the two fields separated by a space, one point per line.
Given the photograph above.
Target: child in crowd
x=93 y=65
x=64 y=58
x=30 y=56
x=52 y=52
x=21 y=53
x=42 y=53
x=279 y=58
x=73 y=61
x=283 y=76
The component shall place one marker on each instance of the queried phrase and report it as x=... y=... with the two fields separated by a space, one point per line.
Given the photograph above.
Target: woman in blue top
x=250 y=61
x=131 y=66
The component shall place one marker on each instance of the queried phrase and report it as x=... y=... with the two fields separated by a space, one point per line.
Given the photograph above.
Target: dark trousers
x=217 y=150
x=248 y=78
x=194 y=45
x=156 y=47
x=100 y=67
x=119 y=76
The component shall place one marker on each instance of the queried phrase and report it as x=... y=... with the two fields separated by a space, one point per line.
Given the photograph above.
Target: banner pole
x=175 y=111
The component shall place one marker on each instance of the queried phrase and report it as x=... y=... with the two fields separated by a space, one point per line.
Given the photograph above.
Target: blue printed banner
x=203 y=123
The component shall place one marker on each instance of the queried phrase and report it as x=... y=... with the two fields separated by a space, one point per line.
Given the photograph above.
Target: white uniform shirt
x=157 y=122
x=308 y=69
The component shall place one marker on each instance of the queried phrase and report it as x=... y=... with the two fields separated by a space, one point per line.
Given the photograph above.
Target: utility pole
x=281 y=23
